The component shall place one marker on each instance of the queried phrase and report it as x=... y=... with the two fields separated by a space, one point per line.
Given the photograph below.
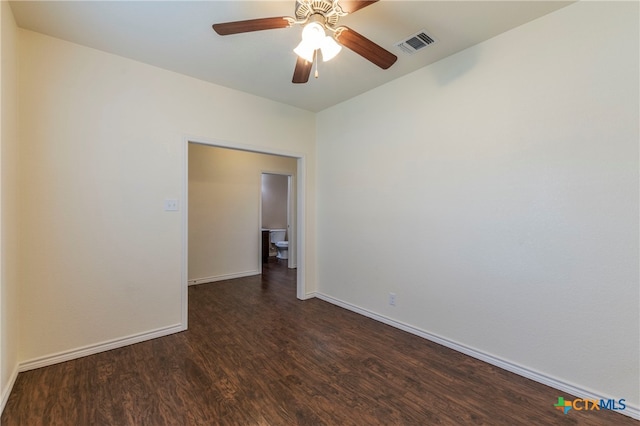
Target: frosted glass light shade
x=305 y=50
x=314 y=34
x=314 y=38
x=329 y=48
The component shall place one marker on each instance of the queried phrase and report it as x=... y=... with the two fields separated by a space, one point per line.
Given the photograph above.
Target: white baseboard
x=630 y=411
x=7 y=391
x=59 y=357
x=223 y=277
x=308 y=296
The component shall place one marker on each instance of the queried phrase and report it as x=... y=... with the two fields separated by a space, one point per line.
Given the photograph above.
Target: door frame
x=300 y=224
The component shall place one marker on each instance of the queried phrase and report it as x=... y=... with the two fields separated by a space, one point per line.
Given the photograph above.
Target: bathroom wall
x=224 y=210
x=274 y=201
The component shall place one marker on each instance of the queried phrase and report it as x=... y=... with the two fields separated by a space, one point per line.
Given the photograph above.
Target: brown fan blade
x=355 y=5
x=302 y=71
x=249 y=25
x=365 y=47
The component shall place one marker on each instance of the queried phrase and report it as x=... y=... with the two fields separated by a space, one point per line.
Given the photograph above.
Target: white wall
x=104 y=144
x=496 y=193
x=224 y=210
x=8 y=204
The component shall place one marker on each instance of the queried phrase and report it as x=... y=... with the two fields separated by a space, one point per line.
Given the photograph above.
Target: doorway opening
x=237 y=224
x=277 y=200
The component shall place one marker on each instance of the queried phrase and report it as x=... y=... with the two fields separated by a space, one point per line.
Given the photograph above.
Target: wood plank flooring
x=255 y=355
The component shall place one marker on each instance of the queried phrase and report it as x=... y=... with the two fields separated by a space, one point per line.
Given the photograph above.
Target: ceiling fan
x=318 y=17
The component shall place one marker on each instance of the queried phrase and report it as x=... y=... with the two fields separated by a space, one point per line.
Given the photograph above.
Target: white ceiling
x=177 y=35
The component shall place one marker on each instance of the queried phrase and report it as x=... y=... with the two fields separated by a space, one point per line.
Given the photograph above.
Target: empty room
x=461 y=243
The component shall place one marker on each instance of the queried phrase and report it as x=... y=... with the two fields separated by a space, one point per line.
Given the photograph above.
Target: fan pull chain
x=315 y=61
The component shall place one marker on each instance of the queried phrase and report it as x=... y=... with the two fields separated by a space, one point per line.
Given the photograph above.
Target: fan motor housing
x=328 y=9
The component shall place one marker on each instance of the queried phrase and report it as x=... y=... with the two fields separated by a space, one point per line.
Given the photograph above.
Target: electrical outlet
x=392 y=299
x=170 y=205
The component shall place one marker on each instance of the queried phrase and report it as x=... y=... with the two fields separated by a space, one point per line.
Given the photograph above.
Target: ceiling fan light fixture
x=313 y=33
x=314 y=38
x=305 y=50
x=329 y=48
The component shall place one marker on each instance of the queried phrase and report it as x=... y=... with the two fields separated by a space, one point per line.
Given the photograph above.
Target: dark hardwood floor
x=255 y=355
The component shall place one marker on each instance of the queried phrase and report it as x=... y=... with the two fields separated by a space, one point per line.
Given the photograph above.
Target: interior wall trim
x=108 y=345
x=629 y=411
x=223 y=277
x=7 y=391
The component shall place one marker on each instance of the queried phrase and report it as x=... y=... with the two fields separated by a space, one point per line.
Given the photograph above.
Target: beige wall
x=224 y=210
x=8 y=204
x=105 y=144
x=496 y=193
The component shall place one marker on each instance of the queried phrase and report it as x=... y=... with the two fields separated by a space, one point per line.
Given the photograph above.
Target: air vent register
x=415 y=42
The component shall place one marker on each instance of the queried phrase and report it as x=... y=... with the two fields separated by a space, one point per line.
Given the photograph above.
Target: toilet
x=283 y=249
x=277 y=238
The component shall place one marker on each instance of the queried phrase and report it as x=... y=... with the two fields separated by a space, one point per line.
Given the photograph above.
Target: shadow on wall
x=445 y=75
